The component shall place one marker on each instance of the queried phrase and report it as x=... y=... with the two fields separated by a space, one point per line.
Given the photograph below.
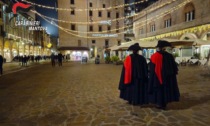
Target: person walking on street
x=60 y=58
x=52 y=59
x=134 y=78
x=1 y=64
x=163 y=86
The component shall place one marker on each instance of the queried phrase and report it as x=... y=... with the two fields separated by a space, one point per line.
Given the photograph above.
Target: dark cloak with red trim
x=134 y=80
x=163 y=87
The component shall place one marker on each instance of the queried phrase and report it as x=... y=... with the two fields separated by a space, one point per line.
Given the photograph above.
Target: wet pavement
x=87 y=95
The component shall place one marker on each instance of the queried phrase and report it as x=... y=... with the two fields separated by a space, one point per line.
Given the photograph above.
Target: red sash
x=128 y=68
x=157 y=59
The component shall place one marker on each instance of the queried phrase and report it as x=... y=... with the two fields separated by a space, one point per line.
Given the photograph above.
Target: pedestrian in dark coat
x=134 y=78
x=163 y=87
x=1 y=64
x=52 y=59
x=60 y=58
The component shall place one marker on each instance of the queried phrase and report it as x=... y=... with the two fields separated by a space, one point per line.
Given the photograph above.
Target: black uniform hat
x=135 y=47
x=163 y=43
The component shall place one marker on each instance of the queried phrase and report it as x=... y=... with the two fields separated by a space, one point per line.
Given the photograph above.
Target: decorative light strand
x=157 y=17
x=98 y=22
x=92 y=9
x=121 y=28
x=179 y=32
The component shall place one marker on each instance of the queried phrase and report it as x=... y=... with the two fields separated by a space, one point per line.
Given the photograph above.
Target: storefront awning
x=73 y=48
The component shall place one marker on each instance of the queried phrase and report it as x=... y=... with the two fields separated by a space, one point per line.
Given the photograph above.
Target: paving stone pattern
x=87 y=95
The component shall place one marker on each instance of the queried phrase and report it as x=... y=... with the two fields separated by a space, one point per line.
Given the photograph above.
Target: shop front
x=75 y=53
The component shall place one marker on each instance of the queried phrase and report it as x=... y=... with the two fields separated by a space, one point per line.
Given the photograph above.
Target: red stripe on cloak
x=157 y=59
x=128 y=66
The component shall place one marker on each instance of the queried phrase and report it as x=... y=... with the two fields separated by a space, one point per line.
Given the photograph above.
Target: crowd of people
x=57 y=58
x=156 y=84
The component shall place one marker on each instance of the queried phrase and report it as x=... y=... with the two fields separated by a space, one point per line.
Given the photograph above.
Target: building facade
x=177 y=19
x=18 y=39
x=90 y=30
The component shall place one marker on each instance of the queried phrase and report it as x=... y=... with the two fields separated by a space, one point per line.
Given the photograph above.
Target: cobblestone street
x=87 y=95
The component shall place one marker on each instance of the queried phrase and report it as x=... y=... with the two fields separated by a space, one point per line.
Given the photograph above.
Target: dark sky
x=52 y=30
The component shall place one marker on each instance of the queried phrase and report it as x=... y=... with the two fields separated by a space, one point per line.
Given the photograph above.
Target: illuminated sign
x=105 y=35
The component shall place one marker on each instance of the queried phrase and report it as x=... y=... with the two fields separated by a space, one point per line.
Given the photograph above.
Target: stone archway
x=189 y=51
x=205 y=49
x=188 y=36
x=205 y=35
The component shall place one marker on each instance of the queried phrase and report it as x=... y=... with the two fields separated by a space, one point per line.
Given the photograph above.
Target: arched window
x=189 y=12
x=167 y=21
x=152 y=26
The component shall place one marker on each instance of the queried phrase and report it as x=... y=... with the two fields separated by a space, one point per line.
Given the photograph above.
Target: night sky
x=51 y=29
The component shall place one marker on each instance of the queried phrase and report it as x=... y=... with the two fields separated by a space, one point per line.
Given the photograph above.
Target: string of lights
x=121 y=28
x=92 y=9
x=179 y=32
x=113 y=20
x=142 y=22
